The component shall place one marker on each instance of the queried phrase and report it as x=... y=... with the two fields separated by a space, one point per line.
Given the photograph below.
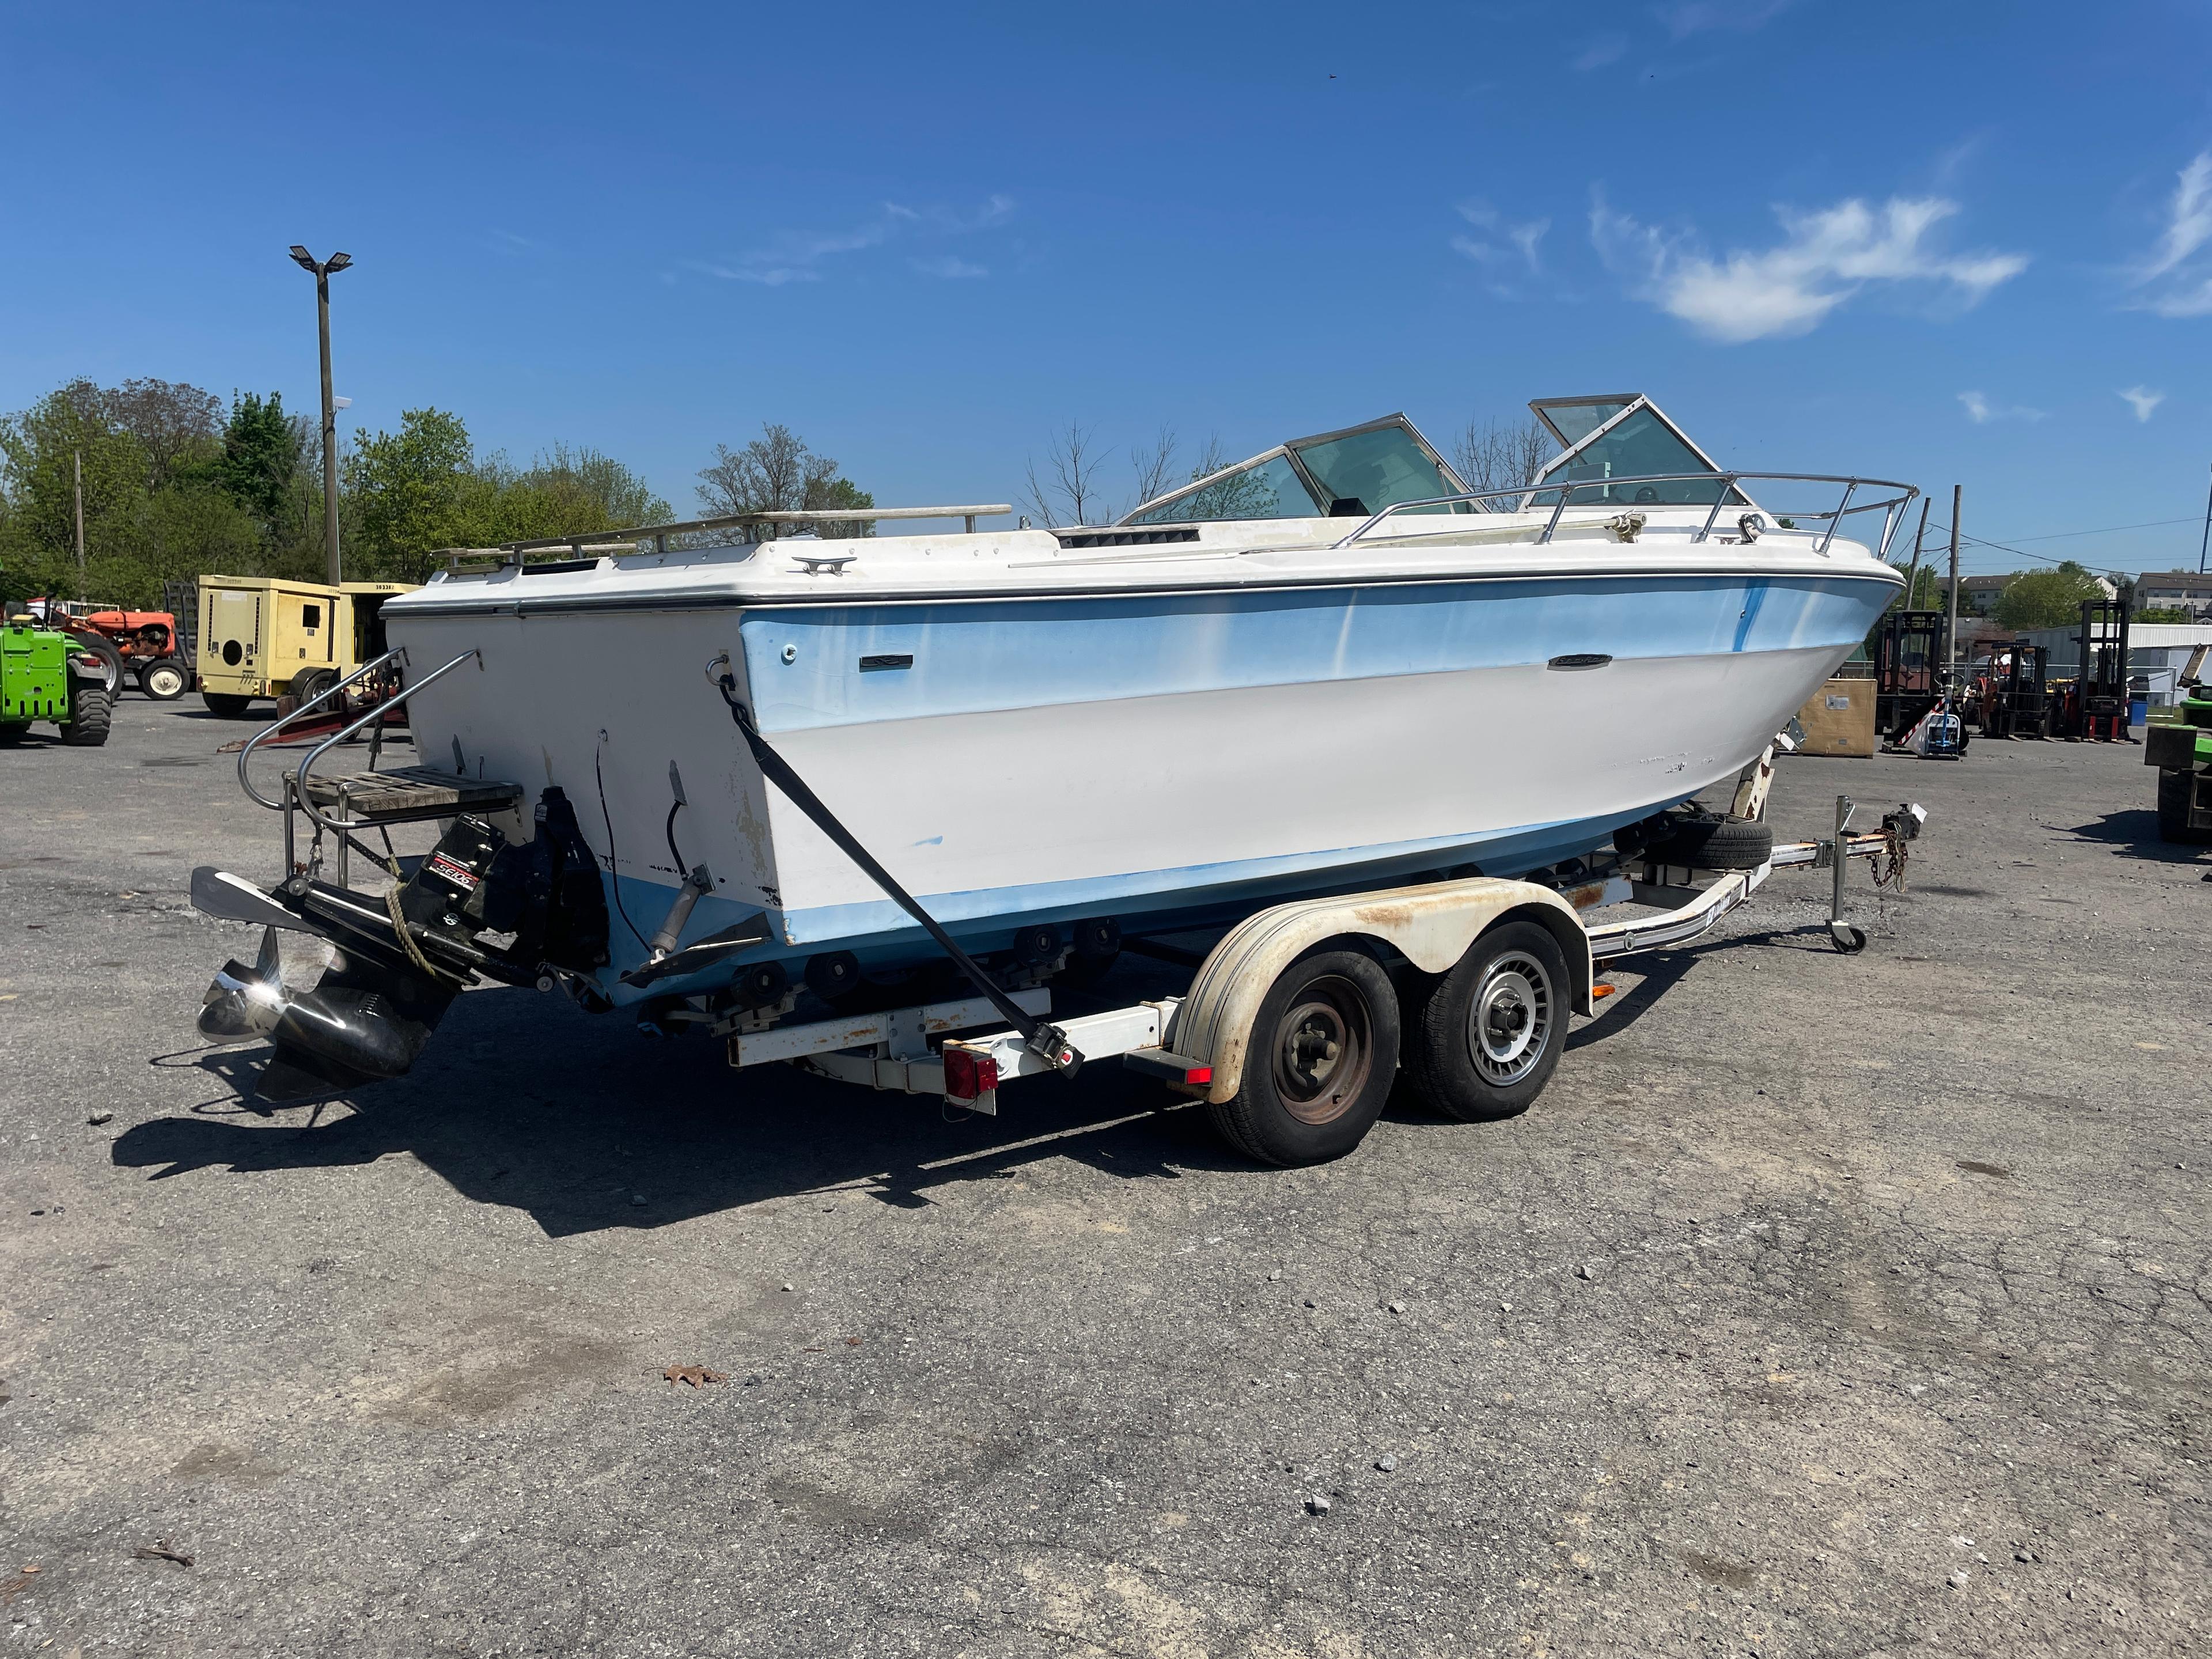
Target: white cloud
x=950 y=267
x=1826 y=257
x=1684 y=18
x=2177 y=282
x=1490 y=247
x=796 y=256
x=2142 y=400
x=1981 y=411
x=1603 y=49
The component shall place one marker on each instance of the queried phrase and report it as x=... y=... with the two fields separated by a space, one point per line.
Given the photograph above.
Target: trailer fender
x=1431 y=926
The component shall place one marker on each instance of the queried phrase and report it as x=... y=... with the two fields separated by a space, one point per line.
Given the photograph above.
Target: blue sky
x=1940 y=242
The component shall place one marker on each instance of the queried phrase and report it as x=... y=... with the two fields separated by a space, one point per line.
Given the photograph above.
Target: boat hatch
x=1624 y=436
x=1348 y=474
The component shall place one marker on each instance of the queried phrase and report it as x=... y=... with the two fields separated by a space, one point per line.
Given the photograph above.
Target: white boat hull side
x=1395 y=731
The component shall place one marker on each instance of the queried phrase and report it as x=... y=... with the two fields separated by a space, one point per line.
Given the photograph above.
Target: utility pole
x=2206 y=540
x=1951 y=638
x=1912 y=576
x=76 y=460
x=322 y=271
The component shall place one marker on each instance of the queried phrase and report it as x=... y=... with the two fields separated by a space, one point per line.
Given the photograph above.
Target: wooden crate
x=1839 y=719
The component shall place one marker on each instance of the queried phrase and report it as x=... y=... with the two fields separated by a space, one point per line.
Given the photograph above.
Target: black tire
x=1486 y=1037
x=226 y=705
x=1715 y=843
x=1299 y=1103
x=111 y=660
x=311 y=683
x=164 y=679
x=90 y=705
x=2173 y=790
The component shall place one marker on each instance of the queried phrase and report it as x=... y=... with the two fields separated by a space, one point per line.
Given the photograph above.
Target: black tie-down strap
x=1041 y=1038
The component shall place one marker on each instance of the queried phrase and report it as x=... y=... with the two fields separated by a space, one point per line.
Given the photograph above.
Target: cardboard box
x=1839 y=719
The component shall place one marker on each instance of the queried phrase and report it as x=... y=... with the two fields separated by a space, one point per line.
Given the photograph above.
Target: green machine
x=49 y=676
x=2180 y=747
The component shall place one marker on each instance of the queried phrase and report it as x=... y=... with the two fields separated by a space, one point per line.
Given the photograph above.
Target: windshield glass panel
x=1374 y=469
x=1265 y=489
x=1576 y=421
x=1641 y=445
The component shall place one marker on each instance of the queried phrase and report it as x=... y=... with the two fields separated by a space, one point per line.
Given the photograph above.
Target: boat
x=1328 y=668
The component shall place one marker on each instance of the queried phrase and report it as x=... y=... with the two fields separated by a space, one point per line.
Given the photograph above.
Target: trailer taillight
x=969 y=1076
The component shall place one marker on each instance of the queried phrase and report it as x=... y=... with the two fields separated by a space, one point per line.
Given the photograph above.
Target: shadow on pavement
x=522 y=1100
x=2133 y=834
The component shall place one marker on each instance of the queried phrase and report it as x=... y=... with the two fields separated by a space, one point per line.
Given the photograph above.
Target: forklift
x=1908 y=670
x=2093 y=707
x=2011 y=692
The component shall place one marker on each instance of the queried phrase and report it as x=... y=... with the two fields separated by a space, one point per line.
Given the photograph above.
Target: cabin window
x=1269 y=489
x=1377 y=468
x=1638 y=447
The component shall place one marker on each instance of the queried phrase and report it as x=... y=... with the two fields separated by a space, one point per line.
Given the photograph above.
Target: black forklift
x=1908 y=670
x=2094 y=707
x=2011 y=692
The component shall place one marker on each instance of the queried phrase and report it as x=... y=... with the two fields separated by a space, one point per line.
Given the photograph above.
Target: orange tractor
x=141 y=644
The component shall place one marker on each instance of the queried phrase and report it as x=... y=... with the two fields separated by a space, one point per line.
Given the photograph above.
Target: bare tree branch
x=1155 y=466
x=1492 y=455
x=1069 y=492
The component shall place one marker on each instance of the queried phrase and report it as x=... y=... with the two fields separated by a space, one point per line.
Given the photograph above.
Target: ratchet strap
x=1041 y=1038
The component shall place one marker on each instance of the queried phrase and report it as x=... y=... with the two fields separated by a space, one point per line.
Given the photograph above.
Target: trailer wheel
x=1487 y=1035
x=111 y=660
x=163 y=679
x=1321 y=1056
x=2173 y=788
x=225 y=705
x=90 y=729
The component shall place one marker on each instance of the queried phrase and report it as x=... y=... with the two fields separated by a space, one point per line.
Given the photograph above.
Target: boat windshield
x=1627 y=440
x=1348 y=474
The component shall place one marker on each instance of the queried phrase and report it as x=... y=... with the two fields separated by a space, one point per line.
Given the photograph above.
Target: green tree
x=261 y=456
x=2163 y=613
x=413 y=491
x=2047 y=599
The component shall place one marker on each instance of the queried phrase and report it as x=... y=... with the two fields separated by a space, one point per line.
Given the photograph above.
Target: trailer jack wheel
x=1847 y=937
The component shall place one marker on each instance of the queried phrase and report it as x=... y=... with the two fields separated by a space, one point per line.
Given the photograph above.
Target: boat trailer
x=1191 y=1042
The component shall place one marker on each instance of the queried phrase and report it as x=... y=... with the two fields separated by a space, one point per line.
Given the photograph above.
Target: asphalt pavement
x=1823 y=1305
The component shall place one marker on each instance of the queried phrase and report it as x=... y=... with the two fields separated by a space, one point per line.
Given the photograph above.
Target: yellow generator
x=261 y=636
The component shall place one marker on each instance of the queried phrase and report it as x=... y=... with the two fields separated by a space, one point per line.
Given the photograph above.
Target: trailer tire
x=1320 y=1061
x=90 y=729
x=226 y=705
x=2173 y=790
x=1715 y=843
x=311 y=683
x=1513 y=980
x=164 y=679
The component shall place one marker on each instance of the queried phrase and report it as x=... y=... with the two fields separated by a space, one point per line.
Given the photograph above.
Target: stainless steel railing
x=1892 y=506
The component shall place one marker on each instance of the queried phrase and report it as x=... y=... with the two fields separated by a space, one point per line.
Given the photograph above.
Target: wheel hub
x=1320 y=1051
x=1510 y=1019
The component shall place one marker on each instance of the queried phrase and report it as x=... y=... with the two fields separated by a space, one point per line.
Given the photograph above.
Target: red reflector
x=1198 y=1074
x=969 y=1076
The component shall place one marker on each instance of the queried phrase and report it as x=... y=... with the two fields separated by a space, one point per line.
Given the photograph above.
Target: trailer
x=1285 y=1032
x=1298 y=1024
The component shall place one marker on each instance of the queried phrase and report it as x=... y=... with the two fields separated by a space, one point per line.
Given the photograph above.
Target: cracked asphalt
x=1821 y=1306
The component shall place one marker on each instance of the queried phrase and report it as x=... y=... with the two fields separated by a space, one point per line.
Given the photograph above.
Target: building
x=2184 y=589
x=2158 y=652
x=1978 y=595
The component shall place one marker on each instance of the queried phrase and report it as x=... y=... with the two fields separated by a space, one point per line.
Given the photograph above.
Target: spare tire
x=1715 y=843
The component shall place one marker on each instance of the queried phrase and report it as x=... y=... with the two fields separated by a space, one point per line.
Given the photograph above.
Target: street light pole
x=322 y=271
